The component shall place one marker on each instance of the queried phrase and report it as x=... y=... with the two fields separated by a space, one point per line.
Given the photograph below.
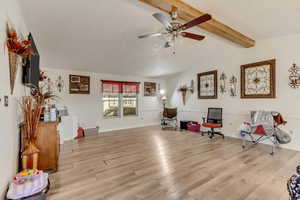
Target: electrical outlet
x=6 y=101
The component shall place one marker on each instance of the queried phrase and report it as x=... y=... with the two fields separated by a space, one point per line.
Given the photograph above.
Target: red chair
x=214 y=120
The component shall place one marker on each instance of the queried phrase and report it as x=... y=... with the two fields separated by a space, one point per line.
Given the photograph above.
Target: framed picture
x=79 y=84
x=75 y=79
x=258 y=80
x=208 y=85
x=149 y=89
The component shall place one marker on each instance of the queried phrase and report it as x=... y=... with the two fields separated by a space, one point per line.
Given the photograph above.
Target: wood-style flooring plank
x=151 y=164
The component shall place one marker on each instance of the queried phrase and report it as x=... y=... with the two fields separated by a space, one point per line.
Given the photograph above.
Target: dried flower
x=16 y=44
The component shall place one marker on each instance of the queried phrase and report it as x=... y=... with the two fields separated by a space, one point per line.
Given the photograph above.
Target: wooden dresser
x=48 y=142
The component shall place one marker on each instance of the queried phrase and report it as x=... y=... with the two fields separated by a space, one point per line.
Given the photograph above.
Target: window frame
x=137 y=106
x=120 y=111
x=121 y=101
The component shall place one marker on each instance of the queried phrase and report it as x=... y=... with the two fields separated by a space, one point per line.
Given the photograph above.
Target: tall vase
x=30 y=157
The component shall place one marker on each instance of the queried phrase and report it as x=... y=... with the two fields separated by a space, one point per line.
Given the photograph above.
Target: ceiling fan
x=174 y=29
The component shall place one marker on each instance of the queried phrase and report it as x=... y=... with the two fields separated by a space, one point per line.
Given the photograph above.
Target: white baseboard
x=236 y=136
x=128 y=127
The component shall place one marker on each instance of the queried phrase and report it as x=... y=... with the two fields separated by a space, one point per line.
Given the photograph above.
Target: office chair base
x=212 y=134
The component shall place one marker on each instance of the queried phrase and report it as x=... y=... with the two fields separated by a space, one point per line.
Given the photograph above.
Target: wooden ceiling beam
x=187 y=13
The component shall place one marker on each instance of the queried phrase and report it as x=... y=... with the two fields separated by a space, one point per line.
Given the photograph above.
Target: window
x=111 y=105
x=120 y=98
x=130 y=104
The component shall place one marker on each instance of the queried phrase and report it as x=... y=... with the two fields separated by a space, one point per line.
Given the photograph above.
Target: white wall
x=88 y=108
x=9 y=132
x=228 y=59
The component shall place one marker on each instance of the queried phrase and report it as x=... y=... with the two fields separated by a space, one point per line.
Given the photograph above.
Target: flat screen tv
x=31 y=68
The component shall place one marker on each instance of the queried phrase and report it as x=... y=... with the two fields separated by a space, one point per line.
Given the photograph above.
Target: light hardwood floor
x=151 y=164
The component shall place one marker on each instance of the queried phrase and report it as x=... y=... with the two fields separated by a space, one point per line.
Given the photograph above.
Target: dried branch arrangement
x=32 y=109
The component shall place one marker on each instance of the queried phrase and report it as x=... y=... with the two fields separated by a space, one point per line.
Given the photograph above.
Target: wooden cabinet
x=48 y=143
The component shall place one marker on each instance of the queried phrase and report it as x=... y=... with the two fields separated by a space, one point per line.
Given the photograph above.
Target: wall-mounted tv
x=31 y=68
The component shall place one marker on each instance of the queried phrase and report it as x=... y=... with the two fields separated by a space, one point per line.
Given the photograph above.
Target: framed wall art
x=149 y=89
x=208 y=85
x=79 y=84
x=258 y=80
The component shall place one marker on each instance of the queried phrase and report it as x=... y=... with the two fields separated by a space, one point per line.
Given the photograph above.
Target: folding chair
x=263 y=126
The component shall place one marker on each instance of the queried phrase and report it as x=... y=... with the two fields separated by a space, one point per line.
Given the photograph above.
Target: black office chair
x=214 y=120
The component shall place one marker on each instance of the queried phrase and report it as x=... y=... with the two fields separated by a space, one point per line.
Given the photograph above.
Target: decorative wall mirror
x=258 y=80
x=208 y=85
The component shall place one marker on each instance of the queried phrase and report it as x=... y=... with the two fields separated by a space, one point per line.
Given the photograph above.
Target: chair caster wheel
x=272 y=154
x=243 y=147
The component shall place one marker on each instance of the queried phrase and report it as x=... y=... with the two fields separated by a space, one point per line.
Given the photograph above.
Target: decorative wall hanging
x=79 y=84
x=49 y=85
x=184 y=89
x=16 y=44
x=258 y=80
x=208 y=85
x=192 y=87
x=16 y=47
x=149 y=89
x=223 y=79
x=233 y=86
x=13 y=68
x=59 y=83
x=294 y=76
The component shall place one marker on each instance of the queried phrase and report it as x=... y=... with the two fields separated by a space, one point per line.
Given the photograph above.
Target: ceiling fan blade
x=150 y=35
x=163 y=19
x=192 y=36
x=196 y=22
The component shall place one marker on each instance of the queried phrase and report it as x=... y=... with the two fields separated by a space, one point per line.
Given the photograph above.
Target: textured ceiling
x=101 y=36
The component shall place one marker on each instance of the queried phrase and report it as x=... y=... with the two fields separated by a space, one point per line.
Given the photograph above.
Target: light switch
x=6 y=101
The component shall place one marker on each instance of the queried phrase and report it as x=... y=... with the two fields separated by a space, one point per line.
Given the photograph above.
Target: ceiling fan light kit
x=174 y=29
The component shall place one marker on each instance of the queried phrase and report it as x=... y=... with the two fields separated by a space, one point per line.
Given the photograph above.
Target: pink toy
x=194 y=127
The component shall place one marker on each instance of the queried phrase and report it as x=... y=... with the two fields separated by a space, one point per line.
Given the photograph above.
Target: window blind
x=120 y=87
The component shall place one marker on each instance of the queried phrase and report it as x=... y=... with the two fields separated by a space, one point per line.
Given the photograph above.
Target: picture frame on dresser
x=258 y=80
x=208 y=85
